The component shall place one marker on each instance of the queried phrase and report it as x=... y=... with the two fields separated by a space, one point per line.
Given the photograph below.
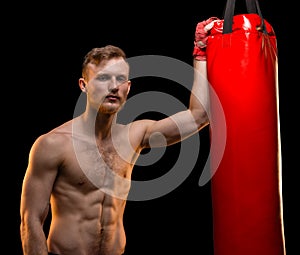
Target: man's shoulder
x=64 y=128
x=57 y=136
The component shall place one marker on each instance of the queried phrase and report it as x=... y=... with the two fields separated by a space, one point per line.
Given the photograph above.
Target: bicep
x=170 y=130
x=38 y=182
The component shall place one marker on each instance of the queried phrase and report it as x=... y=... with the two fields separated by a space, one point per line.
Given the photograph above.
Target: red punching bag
x=246 y=184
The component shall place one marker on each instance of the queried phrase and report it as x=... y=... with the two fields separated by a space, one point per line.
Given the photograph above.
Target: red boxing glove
x=201 y=35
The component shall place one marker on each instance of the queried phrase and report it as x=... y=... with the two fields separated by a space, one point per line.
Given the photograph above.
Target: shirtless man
x=87 y=192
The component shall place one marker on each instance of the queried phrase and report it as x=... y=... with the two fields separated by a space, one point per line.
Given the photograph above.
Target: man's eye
x=121 y=79
x=104 y=78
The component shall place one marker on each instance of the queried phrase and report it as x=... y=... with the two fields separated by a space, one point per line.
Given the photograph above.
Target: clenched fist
x=201 y=35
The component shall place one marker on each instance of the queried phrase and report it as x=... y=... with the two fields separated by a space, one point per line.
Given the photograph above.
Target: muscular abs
x=88 y=202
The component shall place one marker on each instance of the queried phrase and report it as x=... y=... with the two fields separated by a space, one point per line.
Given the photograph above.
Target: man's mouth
x=112 y=98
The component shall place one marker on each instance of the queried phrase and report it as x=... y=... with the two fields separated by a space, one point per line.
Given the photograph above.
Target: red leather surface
x=246 y=187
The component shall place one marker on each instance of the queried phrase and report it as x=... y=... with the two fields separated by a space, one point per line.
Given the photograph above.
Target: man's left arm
x=181 y=125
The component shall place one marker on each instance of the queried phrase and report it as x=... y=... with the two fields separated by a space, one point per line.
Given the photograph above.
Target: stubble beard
x=110 y=109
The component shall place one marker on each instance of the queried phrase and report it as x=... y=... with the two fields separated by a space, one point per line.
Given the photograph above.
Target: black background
x=43 y=46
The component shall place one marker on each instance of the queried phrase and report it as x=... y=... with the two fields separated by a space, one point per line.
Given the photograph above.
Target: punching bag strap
x=252 y=7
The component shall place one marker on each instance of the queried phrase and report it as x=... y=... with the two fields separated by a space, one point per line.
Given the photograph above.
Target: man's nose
x=114 y=84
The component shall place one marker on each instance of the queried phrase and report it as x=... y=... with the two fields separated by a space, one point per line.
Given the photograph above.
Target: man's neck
x=101 y=124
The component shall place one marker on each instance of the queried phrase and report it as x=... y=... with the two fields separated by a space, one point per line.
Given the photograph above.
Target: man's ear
x=82 y=85
x=129 y=86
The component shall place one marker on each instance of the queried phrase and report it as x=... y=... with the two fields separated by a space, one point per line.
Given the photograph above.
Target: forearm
x=199 y=99
x=33 y=239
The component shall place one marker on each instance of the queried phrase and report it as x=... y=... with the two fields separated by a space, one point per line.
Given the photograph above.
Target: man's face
x=108 y=85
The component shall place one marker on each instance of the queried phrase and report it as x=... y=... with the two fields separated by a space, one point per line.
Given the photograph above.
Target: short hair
x=97 y=55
